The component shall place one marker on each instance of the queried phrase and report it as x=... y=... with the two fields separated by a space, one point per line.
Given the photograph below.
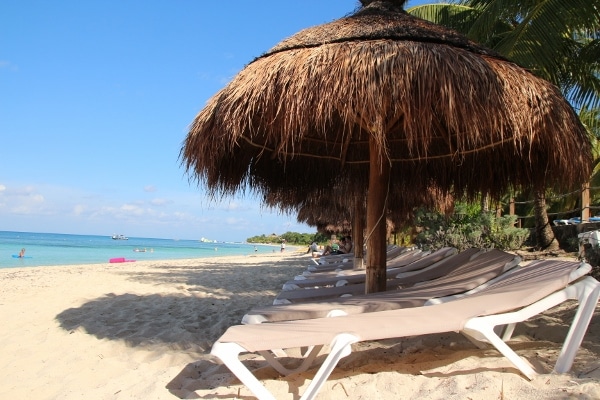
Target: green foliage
x=555 y=39
x=465 y=230
x=292 y=238
x=591 y=254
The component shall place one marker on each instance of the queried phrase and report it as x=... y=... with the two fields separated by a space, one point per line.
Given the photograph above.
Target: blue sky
x=95 y=101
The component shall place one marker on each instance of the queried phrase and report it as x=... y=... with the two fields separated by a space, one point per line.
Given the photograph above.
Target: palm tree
x=591 y=119
x=557 y=40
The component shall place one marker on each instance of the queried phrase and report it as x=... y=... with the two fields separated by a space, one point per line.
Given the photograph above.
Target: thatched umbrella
x=332 y=210
x=387 y=101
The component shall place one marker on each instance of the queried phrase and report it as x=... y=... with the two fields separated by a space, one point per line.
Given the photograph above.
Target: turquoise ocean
x=47 y=249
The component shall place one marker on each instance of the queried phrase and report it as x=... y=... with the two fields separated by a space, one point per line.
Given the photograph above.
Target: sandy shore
x=144 y=331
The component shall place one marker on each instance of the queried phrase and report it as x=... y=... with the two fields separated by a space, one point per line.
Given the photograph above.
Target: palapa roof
x=334 y=206
x=445 y=113
x=381 y=20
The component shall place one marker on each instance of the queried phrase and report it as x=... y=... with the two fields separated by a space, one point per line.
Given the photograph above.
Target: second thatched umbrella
x=386 y=101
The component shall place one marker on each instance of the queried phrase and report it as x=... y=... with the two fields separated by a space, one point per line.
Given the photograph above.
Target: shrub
x=465 y=230
x=591 y=254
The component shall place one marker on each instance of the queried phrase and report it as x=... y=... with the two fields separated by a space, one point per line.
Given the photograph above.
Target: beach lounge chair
x=466 y=276
x=516 y=297
x=346 y=261
x=348 y=265
x=329 y=263
x=332 y=259
x=411 y=261
x=486 y=264
x=339 y=268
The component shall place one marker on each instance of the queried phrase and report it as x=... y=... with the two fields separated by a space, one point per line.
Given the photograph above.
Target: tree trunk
x=543 y=230
x=485 y=203
x=379 y=176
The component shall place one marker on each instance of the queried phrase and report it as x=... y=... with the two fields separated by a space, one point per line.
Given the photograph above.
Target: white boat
x=120 y=237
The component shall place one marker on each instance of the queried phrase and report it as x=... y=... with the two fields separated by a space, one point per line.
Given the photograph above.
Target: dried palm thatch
x=332 y=205
x=334 y=210
x=390 y=101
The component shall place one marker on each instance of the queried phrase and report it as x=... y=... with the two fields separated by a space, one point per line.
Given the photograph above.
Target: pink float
x=119 y=260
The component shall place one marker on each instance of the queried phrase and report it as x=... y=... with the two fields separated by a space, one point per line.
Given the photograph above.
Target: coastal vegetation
x=469 y=228
x=292 y=238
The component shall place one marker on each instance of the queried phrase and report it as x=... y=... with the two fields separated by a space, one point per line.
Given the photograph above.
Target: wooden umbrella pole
x=357 y=233
x=379 y=176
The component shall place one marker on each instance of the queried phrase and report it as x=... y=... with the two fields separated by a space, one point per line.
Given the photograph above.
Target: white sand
x=144 y=330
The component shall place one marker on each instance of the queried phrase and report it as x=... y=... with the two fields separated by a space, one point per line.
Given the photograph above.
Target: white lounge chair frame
x=479 y=328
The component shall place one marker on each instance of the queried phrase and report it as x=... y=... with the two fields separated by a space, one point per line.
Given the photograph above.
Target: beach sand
x=144 y=330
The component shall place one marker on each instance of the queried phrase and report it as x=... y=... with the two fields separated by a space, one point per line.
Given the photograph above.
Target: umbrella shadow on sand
x=195 y=308
x=144 y=320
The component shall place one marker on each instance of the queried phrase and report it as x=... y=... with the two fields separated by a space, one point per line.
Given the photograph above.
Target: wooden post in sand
x=585 y=202
x=379 y=178
x=358 y=234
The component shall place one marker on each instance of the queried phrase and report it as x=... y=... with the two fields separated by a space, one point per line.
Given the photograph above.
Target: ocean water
x=46 y=249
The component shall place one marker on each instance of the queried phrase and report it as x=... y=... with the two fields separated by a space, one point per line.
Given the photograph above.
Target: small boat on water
x=120 y=237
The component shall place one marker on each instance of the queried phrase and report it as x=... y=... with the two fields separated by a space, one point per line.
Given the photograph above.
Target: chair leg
x=588 y=299
x=478 y=327
x=229 y=354
x=587 y=291
x=340 y=348
x=507 y=331
x=309 y=357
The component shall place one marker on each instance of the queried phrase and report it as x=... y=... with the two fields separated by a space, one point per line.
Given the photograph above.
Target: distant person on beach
x=343 y=247
x=22 y=253
x=332 y=248
x=314 y=248
x=347 y=247
x=283 y=246
x=255 y=249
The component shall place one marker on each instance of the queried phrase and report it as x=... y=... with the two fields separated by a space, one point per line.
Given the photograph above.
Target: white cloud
x=22 y=200
x=8 y=65
x=133 y=209
x=236 y=206
x=160 y=202
x=53 y=208
x=78 y=209
x=237 y=222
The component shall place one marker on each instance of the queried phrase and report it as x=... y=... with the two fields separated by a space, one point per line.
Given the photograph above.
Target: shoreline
x=144 y=331
x=275 y=251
